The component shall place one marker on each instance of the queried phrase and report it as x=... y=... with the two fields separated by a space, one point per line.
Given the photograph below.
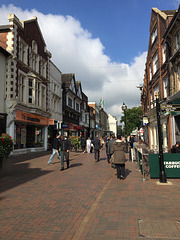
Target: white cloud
x=75 y=50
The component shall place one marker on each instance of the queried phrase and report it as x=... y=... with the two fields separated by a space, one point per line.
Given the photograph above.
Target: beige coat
x=119 y=149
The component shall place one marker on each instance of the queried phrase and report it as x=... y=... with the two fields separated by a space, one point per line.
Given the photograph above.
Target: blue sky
x=104 y=42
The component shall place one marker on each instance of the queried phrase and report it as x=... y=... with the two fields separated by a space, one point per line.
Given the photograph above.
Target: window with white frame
x=23 y=51
x=69 y=102
x=150 y=72
x=156 y=90
x=151 y=100
x=22 y=87
x=77 y=107
x=177 y=41
x=154 y=35
x=43 y=97
x=37 y=93
x=165 y=87
x=30 y=91
x=155 y=63
x=163 y=53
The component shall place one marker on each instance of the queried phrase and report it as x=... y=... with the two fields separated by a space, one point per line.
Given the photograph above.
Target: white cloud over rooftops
x=74 y=50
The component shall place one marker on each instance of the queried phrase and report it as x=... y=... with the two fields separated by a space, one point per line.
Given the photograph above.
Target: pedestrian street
x=86 y=201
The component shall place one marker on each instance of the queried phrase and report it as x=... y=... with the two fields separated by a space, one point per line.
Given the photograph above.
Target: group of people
x=115 y=151
x=61 y=146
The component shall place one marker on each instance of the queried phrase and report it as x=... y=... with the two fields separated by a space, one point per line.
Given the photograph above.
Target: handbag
x=112 y=159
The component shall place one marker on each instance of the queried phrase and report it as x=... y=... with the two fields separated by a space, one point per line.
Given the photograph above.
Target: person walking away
x=65 y=145
x=88 y=145
x=55 y=149
x=131 y=143
x=107 y=154
x=110 y=144
x=119 y=149
x=83 y=144
x=97 y=147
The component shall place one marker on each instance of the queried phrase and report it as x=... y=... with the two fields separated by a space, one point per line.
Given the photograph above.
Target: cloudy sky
x=104 y=42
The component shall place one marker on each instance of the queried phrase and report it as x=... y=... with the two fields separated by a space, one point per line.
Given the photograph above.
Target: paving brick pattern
x=84 y=202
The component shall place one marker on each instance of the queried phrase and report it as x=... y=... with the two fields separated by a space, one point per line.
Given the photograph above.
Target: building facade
x=71 y=104
x=96 y=115
x=26 y=88
x=54 y=101
x=172 y=43
x=84 y=118
x=4 y=55
x=112 y=121
x=156 y=79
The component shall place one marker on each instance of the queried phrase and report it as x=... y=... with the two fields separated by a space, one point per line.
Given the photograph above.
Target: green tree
x=133 y=119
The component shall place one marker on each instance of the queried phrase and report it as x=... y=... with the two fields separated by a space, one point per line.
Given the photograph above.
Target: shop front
x=30 y=131
x=71 y=129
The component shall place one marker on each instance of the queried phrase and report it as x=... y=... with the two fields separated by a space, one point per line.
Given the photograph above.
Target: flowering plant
x=75 y=141
x=6 y=145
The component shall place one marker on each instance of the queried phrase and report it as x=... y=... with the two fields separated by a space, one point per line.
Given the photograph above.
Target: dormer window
x=34 y=46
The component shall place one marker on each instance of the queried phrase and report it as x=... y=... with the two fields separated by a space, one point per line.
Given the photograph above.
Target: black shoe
x=67 y=166
x=61 y=169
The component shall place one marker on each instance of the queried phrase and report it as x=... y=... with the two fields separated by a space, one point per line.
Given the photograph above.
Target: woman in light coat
x=119 y=149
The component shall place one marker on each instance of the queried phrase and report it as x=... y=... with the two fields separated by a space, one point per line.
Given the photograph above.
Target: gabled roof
x=68 y=82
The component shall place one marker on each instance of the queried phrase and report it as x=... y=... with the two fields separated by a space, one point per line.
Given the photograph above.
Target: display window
x=28 y=136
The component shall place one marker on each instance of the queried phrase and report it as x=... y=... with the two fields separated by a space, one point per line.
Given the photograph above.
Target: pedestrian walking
x=55 y=149
x=65 y=145
x=110 y=144
x=107 y=154
x=88 y=145
x=131 y=143
x=119 y=149
x=83 y=144
x=97 y=147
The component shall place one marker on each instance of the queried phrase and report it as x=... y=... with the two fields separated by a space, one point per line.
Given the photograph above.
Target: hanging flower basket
x=6 y=147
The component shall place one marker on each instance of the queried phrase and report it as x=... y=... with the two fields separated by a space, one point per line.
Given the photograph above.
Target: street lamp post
x=124 y=108
x=162 y=174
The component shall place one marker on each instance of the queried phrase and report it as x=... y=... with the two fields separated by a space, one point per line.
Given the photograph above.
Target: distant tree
x=119 y=130
x=133 y=119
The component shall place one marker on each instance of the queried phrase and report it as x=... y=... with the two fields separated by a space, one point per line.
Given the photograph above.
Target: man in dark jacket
x=176 y=148
x=110 y=144
x=65 y=146
x=55 y=149
x=97 y=147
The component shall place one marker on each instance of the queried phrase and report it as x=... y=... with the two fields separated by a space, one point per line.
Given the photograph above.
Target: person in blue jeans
x=55 y=149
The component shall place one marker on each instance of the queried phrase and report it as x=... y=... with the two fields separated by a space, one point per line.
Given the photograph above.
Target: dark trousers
x=96 y=154
x=66 y=155
x=120 y=170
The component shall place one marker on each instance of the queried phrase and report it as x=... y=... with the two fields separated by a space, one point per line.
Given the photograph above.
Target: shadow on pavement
x=14 y=174
x=76 y=165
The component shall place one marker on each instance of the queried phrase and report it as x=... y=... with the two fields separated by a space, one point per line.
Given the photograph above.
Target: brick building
x=156 y=79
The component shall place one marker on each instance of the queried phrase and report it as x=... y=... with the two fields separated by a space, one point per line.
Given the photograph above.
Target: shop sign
x=31 y=118
x=63 y=125
x=175 y=164
x=77 y=127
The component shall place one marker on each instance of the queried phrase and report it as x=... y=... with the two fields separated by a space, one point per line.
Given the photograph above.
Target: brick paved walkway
x=85 y=201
